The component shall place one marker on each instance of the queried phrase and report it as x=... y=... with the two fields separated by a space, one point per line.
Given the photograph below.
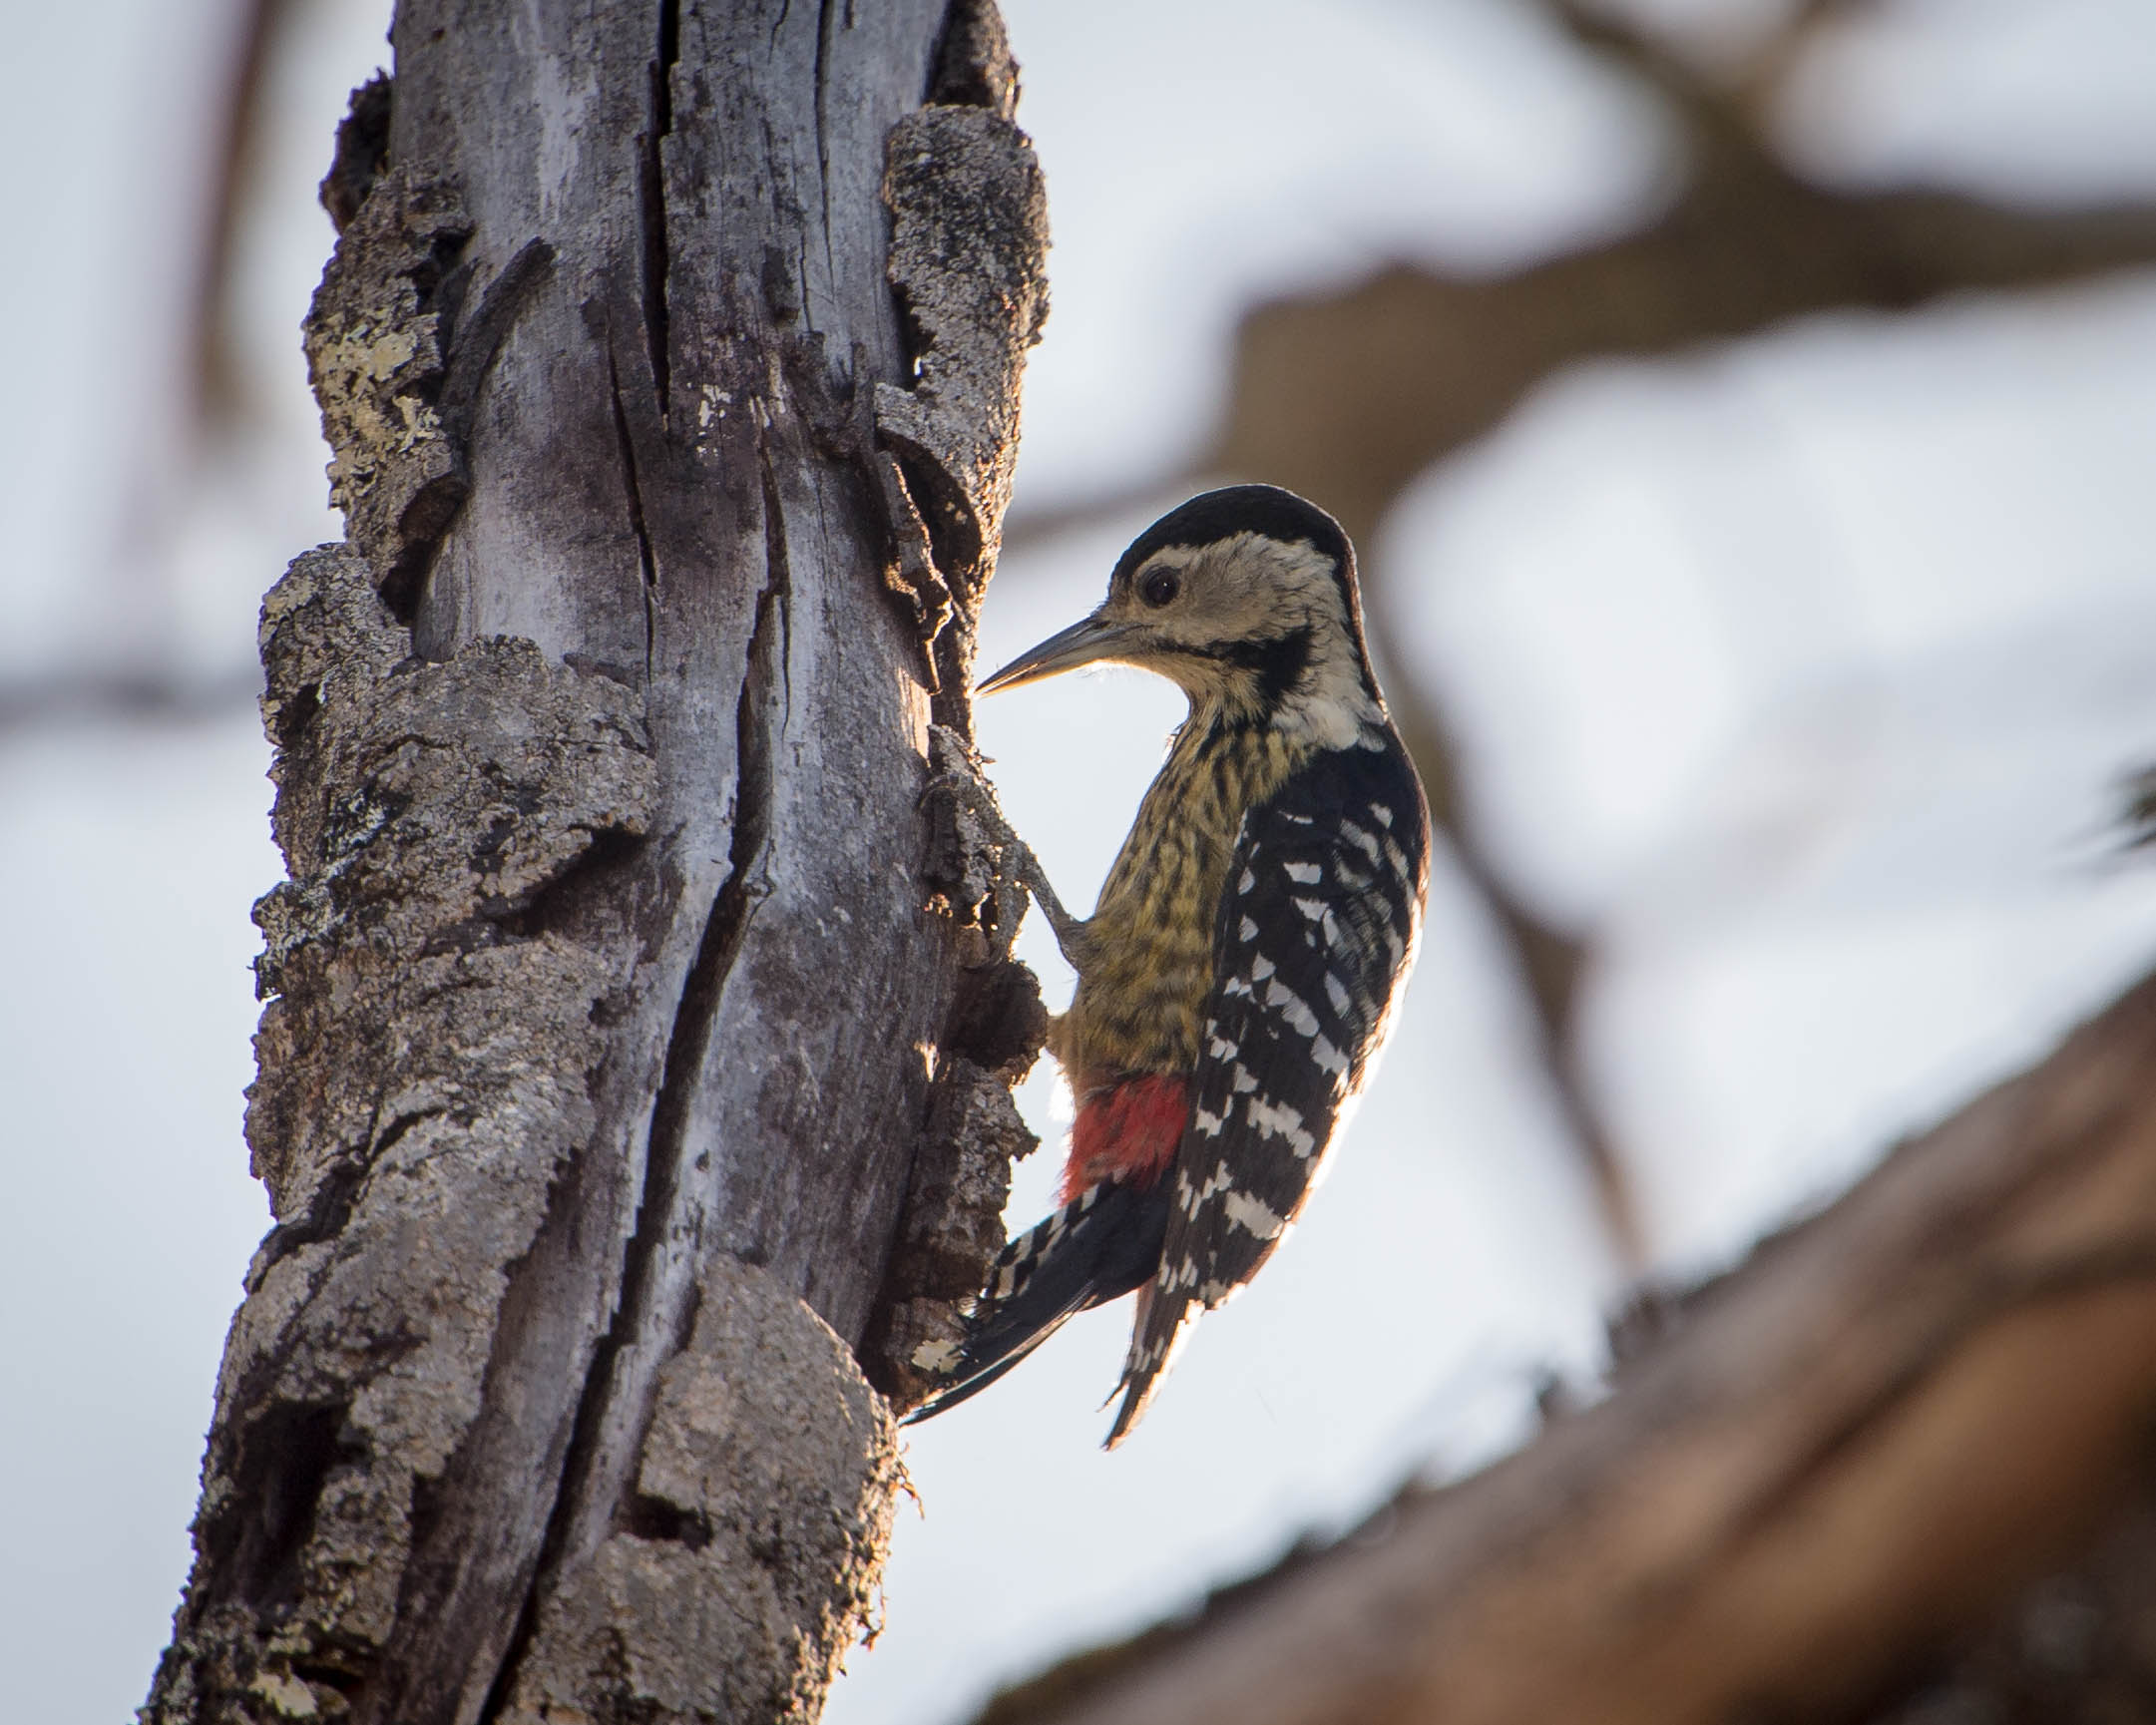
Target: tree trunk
x=620 y=988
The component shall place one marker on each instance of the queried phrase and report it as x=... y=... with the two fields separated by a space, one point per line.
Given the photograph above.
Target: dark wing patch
x=1316 y=930
x=1097 y=1247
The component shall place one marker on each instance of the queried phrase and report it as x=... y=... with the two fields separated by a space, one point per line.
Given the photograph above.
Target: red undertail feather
x=1127 y=1130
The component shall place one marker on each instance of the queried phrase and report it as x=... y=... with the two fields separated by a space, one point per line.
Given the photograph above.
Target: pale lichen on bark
x=427 y=1052
x=765 y=1554
x=967 y=267
x=969 y=251
x=951 y=1227
x=377 y=353
x=967 y=264
x=543 y=1402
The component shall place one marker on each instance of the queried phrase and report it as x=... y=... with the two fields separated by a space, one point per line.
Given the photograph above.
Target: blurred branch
x=1817 y=1490
x=1548 y=961
x=146 y=694
x=1349 y=395
x=1042 y=524
x=2139 y=813
x=217 y=374
x=1759 y=82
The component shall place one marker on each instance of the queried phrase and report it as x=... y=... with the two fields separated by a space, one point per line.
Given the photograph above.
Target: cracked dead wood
x=625 y=986
x=1818 y=1485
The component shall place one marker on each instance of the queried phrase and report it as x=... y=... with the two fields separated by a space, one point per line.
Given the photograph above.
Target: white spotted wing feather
x=1314 y=938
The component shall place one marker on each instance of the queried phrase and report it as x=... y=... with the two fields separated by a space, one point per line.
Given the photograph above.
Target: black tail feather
x=1099 y=1246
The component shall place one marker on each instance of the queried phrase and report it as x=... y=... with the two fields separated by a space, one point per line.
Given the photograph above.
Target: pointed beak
x=1084 y=643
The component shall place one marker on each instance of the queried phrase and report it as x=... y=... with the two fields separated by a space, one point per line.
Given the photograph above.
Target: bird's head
x=1245 y=597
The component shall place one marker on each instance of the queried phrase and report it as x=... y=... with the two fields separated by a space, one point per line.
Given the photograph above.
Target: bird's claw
x=954 y=771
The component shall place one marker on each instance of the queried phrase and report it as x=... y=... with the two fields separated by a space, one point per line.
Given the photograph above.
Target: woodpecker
x=1238 y=975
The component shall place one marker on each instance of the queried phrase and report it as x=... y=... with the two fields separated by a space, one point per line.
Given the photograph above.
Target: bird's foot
x=955 y=771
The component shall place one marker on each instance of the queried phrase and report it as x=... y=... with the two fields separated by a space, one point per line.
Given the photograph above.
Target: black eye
x=1160 y=587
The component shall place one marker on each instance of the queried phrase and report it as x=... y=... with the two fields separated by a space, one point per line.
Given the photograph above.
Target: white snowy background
x=1803 y=669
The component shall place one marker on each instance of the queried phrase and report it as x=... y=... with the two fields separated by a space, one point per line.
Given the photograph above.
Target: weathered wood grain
x=612 y=992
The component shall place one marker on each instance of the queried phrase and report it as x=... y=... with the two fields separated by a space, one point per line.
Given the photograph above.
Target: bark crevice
x=581 y=1506
x=633 y=489
x=653 y=198
x=601 y=976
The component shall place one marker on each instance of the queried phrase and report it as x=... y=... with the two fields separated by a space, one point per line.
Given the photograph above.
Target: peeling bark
x=624 y=985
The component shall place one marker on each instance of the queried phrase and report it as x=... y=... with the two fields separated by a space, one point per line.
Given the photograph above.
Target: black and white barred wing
x=1317 y=930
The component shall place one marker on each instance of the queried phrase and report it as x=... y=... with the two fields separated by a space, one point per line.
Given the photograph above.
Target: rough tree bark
x=1817 y=1489
x=622 y=987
